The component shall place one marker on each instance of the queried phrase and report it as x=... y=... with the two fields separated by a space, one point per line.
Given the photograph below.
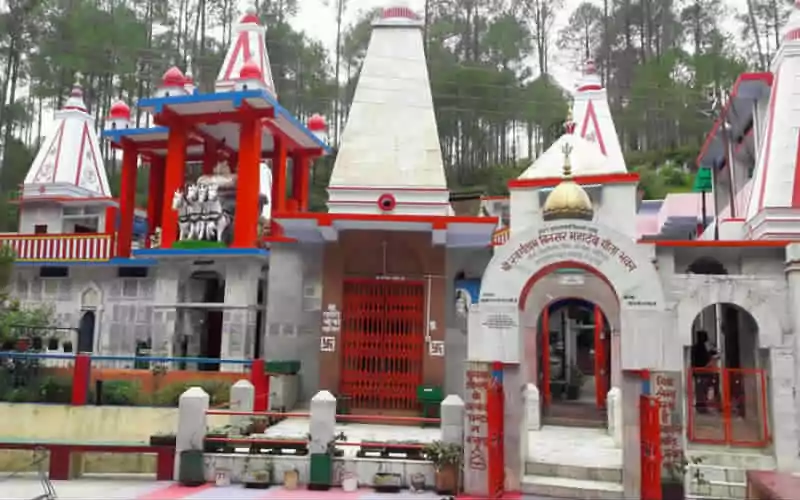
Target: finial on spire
x=250 y=15
x=567 y=150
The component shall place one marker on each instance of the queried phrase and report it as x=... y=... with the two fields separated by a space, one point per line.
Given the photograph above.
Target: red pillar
x=173 y=181
x=127 y=200
x=279 y=175
x=155 y=193
x=81 y=375
x=245 y=225
x=300 y=180
x=210 y=159
x=260 y=381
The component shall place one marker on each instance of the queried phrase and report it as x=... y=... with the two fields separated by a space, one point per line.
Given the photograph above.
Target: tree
x=582 y=36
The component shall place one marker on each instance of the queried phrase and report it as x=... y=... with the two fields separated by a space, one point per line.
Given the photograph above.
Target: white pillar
x=532 y=407
x=322 y=425
x=243 y=395
x=452 y=420
x=192 y=422
x=614 y=415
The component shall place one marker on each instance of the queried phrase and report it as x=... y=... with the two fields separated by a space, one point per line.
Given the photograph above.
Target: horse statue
x=179 y=204
x=217 y=219
x=202 y=219
x=193 y=211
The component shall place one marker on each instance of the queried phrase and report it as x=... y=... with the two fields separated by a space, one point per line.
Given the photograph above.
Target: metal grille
x=383 y=343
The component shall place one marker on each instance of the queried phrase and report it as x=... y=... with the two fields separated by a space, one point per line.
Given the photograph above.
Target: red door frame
x=601 y=355
x=650 y=441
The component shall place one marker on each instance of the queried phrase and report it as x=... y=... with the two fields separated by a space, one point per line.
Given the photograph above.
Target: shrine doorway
x=209 y=288
x=574 y=359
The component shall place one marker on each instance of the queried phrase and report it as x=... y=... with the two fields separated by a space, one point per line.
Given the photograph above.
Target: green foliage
x=443 y=454
x=219 y=392
x=16 y=320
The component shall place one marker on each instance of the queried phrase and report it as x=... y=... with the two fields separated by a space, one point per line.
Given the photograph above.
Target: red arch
x=544 y=271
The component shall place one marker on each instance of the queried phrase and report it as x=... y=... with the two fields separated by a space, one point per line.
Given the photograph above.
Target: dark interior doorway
x=213 y=286
x=86 y=332
x=259 y=319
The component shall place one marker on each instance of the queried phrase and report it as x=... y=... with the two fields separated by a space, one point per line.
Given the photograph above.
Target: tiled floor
x=129 y=489
x=577 y=446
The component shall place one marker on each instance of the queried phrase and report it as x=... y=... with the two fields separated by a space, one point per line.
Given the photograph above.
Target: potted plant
x=257 y=472
x=446 y=458
x=321 y=469
x=673 y=484
x=162 y=439
x=192 y=467
x=575 y=383
x=218 y=446
x=387 y=482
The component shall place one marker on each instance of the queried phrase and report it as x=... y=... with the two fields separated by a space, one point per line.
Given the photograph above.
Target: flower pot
x=258 y=479
x=291 y=479
x=349 y=482
x=417 y=482
x=672 y=491
x=320 y=472
x=162 y=440
x=387 y=482
x=446 y=480
x=192 y=470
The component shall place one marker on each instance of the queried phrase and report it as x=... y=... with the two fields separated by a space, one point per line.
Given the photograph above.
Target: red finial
x=250 y=71
x=317 y=123
x=399 y=12
x=173 y=78
x=250 y=16
x=590 y=68
x=119 y=111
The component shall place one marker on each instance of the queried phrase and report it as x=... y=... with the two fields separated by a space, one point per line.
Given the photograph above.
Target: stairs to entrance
x=572 y=481
x=573 y=462
x=575 y=414
x=721 y=472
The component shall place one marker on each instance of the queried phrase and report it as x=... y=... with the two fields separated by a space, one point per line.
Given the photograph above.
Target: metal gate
x=495 y=432
x=650 y=437
x=383 y=343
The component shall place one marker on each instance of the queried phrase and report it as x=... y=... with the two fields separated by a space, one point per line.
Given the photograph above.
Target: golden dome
x=568 y=200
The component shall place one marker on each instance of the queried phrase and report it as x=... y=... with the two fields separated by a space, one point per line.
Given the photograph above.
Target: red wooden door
x=601 y=358
x=383 y=343
x=650 y=437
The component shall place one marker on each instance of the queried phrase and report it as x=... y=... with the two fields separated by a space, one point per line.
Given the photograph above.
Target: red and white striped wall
x=60 y=247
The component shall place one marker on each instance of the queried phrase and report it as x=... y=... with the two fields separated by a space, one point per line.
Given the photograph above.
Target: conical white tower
x=389 y=158
x=776 y=184
x=69 y=163
x=247 y=44
x=593 y=117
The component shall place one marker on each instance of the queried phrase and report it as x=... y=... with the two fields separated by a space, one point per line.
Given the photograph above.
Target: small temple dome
x=119 y=111
x=568 y=200
x=75 y=100
x=399 y=11
x=173 y=77
x=250 y=71
x=250 y=16
x=317 y=123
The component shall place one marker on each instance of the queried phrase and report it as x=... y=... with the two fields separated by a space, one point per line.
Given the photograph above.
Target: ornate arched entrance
x=501 y=331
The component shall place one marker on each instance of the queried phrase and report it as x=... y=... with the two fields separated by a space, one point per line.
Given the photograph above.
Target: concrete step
x=584 y=473
x=561 y=487
x=574 y=422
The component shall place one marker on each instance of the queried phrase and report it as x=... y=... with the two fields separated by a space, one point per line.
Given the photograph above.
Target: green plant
x=443 y=454
x=677 y=469
x=122 y=393
x=218 y=392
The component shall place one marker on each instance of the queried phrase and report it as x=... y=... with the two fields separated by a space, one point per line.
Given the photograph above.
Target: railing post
x=452 y=421
x=81 y=376
x=242 y=399
x=260 y=381
x=322 y=422
x=192 y=423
